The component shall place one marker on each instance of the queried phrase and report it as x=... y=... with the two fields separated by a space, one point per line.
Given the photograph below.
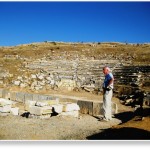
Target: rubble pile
x=40 y=110
x=8 y=107
x=48 y=108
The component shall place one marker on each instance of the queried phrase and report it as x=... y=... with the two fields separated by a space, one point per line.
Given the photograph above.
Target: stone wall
x=90 y=107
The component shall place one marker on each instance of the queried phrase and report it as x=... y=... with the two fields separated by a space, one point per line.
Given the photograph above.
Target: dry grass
x=140 y=53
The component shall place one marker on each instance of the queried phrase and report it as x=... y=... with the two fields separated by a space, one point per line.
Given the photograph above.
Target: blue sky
x=27 y=22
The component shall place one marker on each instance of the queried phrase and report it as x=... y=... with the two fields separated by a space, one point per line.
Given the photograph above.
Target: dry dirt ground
x=125 y=125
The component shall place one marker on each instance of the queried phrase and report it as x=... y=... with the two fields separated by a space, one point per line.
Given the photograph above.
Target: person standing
x=107 y=93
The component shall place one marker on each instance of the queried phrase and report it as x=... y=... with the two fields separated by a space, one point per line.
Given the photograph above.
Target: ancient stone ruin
x=71 y=67
x=45 y=106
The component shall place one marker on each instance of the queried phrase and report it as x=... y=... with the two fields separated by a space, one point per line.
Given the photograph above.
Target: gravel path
x=54 y=128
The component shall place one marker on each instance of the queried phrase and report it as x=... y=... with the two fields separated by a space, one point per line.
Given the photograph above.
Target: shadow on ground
x=125 y=116
x=125 y=133
x=138 y=113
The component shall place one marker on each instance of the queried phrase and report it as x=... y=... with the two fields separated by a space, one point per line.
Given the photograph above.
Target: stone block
x=52 y=102
x=13 y=96
x=20 y=97
x=46 y=116
x=4 y=102
x=97 y=108
x=17 y=83
x=57 y=108
x=5 y=109
x=50 y=97
x=4 y=114
x=41 y=104
x=35 y=97
x=29 y=103
x=40 y=110
x=28 y=96
x=67 y=84
x=70 y=113
x=70 y=88
x=86 y=107
x=43 y=97
x=1 y=93
x=6 y=94
x=70 y=107
x=14 y=111
x=62 y=100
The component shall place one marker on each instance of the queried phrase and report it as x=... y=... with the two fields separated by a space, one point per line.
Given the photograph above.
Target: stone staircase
x=87 y=73
x=131 y=75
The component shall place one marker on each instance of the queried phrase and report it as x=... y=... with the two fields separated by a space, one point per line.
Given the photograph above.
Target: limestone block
x=22 y=85
x=1 y=92
x=13 y=96
x=70 y=88
x=52 y=82
x=70 y=113
x=38 y=87
x=51 y=97
x=68 y=100
x=46 y=116
x=17 y=83
x=5 y=94
x=28 y=96
x=34 y=83
x=48 y=78
x=4 y=102
x=5 y=108
x=29 y=103
x=97 y=108
x=43 y=97
x=70 y=107
x=20 y=97
x=40 y=77
x=67 y=83
x=14 y=111
x=42 y=83
x=86 y=107
x=33 y=76
x=4 y=114
x=19 y=78
x=40 y=110
x=41 y=104
x=35 y=97
x=57 y=108
x=52 y=102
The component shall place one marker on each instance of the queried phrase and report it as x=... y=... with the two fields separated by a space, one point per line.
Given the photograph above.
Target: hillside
x=75 y=69
x=18 y=61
